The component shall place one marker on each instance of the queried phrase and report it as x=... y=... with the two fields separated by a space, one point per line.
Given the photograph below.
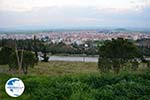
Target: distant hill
x=121 y=29
x=98 y=29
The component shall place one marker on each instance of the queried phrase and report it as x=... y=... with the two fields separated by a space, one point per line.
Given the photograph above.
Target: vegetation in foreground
x=123 y=86
x=57 y=80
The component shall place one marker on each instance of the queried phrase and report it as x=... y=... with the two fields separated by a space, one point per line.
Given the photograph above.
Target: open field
x=59 y=68
x=63 y=68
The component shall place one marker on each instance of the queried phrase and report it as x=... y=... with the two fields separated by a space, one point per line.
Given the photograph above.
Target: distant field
x=59 y=68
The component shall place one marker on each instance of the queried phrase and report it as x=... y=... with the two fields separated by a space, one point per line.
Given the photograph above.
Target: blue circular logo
x=14 y=87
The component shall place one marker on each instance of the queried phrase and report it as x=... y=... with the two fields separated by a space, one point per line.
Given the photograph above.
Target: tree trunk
x=116 y=68
x=19 y=60
x=36 y=55
x=148 y=65
x=35 y=50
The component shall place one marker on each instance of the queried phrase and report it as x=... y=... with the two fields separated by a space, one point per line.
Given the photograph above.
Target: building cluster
x=78 y=37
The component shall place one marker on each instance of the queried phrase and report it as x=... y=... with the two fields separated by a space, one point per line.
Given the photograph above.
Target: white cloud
x=73 y=16
x=26 y=5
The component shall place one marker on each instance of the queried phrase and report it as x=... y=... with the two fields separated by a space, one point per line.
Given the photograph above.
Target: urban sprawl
x=78 y=37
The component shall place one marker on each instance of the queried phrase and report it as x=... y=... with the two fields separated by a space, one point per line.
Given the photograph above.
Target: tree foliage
x=5 y=52
x=29 y=60
x=116 y=53
x=37 y=45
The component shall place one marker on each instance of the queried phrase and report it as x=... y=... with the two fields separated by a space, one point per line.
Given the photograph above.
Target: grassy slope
x=78 y=81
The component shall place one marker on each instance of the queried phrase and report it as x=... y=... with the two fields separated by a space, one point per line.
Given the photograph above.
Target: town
x=78 y=37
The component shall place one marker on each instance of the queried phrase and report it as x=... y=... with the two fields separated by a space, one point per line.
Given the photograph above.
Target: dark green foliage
x=5 y=52
x=36 y=45
x=86 y=87
x=104 y=65
x=116 y=53
x=45 y=51
x=144 y=46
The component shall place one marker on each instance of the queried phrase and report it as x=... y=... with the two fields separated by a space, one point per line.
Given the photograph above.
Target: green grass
x=57 y=68
x=124 y=86
x=63 y=68
x=78 y=81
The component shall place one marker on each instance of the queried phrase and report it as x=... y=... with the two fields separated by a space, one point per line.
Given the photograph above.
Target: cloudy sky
x=74 y=13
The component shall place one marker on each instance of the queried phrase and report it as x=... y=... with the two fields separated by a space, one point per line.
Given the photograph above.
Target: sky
x=74 y=13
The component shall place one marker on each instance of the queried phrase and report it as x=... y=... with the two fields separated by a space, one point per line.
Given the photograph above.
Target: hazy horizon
x=59 y=14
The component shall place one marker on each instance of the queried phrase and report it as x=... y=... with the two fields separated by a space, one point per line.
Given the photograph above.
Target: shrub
x=89 y=87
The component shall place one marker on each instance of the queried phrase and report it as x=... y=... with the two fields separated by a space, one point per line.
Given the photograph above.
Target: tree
x=104 y=65
x=45 y=51
x=35 y=49
x=28 y=60
x=118 y=52
x=5 y=52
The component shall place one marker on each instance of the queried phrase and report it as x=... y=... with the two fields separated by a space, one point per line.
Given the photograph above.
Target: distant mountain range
x=46 y=29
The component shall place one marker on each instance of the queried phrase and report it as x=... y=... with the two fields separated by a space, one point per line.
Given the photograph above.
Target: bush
x=87 y=87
